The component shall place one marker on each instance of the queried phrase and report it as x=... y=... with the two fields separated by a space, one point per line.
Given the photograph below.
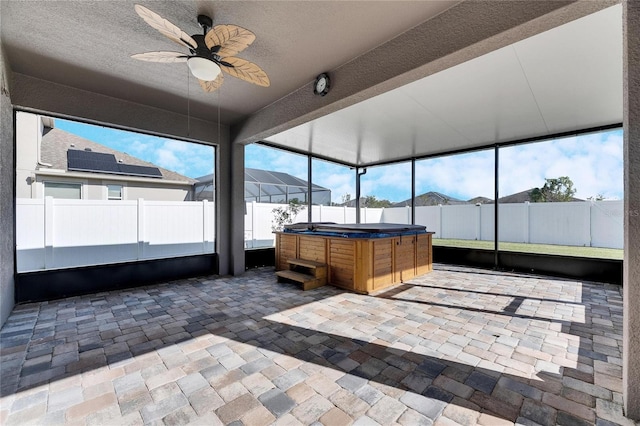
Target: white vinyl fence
x=56 y=233
x=259 y=220
x=595 y=224
x=589 y=224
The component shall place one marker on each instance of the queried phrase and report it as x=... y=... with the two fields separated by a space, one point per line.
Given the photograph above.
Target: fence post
x=589 y=204
x=440 y=224
x=526 y=222
x=48 y=232
x=253 y=224
x=319 y=213
x=478 y=222
x=140 y=228
x=408 y=215
x=205 y=226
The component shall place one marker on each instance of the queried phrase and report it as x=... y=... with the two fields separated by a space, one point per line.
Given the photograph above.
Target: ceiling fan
x=210 y=53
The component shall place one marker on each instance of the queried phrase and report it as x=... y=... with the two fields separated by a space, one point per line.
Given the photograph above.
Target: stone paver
x=456 y=346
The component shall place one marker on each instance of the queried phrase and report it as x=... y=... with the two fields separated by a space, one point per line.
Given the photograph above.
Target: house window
x=71 y=191
x=114 y=192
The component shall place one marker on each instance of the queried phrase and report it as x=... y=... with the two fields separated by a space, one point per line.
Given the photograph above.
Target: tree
x=554 y=190
x=598 y=197
x=372 y=201
x=284 y=215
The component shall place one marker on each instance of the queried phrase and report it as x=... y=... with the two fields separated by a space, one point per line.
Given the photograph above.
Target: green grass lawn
x=596 y=252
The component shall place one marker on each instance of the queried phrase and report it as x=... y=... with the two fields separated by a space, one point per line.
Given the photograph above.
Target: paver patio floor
x=456 y=346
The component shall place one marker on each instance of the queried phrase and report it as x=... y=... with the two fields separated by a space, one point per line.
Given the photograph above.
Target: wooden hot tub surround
x=360 y=262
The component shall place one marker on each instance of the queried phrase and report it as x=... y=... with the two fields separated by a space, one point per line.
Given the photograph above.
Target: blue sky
x=188 y=159
x=593 y=162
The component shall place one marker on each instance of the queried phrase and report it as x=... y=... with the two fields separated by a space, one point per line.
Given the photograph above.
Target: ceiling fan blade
x=166 y=57
x=247 y=71
x=212 y=86
x=232 y=39
x=165 y=27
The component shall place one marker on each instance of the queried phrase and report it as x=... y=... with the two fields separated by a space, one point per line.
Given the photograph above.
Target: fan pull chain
x=218 y=94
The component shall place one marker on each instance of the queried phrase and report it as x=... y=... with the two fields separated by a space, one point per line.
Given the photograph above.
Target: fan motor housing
x=202 y=49
x=205 y=22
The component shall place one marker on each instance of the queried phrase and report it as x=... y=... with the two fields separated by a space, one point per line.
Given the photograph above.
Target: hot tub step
x=310 y=267
x=308 y=282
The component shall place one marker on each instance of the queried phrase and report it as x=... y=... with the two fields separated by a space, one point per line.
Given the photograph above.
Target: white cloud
x=167 y=159
x=593 y=162
x=189 y=159
x=460 y=176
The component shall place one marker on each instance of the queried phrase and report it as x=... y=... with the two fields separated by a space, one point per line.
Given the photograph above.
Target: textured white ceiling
x=87 y=45
x=565 y=79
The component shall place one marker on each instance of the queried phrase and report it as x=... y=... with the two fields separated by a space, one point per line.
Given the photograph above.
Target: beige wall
x=29 y=129
x=157 y=193
x=29 y=184
x=96 y=189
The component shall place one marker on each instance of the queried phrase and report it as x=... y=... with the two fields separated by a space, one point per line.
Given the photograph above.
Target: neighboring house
x=431 y=198
x=521 y=197
x=480 y=200
x=52 y=162
x=265 y=186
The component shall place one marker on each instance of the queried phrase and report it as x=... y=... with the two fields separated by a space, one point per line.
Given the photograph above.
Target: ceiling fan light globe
x=203 y=69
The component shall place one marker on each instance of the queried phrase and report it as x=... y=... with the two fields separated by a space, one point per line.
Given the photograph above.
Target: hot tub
x=360 y=257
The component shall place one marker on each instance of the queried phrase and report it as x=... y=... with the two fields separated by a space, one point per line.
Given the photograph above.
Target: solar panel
x=89 y=161
x=129 y=169
x=90 y=155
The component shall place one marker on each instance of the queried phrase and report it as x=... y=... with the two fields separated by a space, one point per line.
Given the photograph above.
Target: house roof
x=521 y=197
x=56 y=143
x=432 y=198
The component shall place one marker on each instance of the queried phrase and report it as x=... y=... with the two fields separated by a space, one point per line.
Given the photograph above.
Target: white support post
x=49 y=235
x=344 y=211
x=319 y=212
x=440 y=224
x=409 y=215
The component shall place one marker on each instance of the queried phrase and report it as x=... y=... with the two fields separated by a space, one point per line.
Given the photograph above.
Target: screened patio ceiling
x=563 y=80
x=432 y=77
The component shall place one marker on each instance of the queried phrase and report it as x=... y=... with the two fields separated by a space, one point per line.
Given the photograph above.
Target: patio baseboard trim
x=583 y=268
x=590 y=269
x=56 y=284
x=255 y=258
